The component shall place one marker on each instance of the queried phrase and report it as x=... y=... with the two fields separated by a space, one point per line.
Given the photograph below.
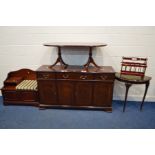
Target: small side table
x=129 y=80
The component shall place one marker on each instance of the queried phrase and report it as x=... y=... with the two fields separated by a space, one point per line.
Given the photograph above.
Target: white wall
x=21 y=47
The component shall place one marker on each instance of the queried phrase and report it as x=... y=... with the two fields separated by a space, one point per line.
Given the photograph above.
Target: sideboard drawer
x=76 y=76
x=44 y=75
x=104 y=77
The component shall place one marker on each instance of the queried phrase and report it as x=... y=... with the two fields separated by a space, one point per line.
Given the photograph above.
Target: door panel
x=65 y=92
x=102 y=95
x=83 y=94
x=47 y=91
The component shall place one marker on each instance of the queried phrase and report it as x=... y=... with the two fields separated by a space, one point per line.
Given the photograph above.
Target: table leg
x=146 y=88
x=90 y=60
x=128 y=85
x=59 y=60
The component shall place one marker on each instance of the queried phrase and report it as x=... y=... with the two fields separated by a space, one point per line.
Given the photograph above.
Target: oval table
x=90 y=46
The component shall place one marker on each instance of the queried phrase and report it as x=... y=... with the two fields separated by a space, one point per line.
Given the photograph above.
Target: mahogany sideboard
x=75 y=88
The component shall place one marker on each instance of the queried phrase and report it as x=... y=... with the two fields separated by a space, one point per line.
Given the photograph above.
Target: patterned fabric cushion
x=27 y=85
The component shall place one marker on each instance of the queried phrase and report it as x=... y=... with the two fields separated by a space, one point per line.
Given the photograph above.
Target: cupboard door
x=47 y=92
x=83 y=93
x=102 y=95
x=65 y=92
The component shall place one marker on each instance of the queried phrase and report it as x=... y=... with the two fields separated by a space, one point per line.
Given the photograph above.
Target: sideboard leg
x=128 y=85
x=146 y=88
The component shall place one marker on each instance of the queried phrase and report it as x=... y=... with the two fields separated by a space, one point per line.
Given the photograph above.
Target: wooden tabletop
x=75 y=44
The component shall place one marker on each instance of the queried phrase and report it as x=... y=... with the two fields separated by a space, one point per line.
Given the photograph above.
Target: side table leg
x=128 y=85
x=146 y=88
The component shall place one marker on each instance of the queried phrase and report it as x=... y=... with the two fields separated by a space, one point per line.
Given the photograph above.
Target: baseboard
x=135 y=98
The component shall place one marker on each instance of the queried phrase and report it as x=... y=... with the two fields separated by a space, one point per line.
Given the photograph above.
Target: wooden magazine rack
x=134 y=66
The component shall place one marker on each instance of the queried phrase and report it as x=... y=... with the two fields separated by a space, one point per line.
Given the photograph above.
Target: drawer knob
x=65 y=76
x=83 y=77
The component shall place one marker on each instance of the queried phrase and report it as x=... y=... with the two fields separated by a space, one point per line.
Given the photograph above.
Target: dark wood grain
x=72 y=87
x=63 y=88
x=19 y=97
x=89 y=45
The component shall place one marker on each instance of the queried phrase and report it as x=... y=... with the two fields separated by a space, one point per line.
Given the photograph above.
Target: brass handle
x=65 y=76
x=103 y=77
x=45 y=76
x=83 y=77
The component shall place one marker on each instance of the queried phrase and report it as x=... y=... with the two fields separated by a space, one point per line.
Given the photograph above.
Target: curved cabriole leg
x=146 y=88
x=128 y=85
